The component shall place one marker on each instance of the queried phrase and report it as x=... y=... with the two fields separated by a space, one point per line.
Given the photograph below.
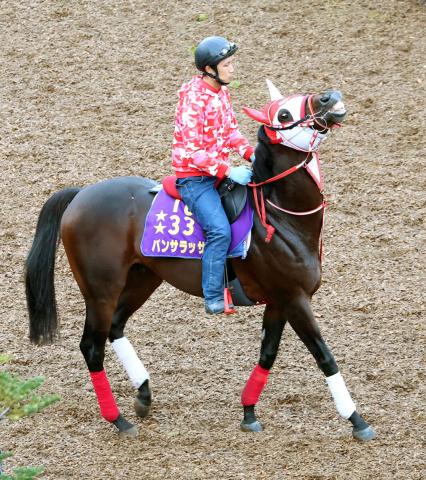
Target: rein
x=260 y=206
x=292 y=212
x=322 y=206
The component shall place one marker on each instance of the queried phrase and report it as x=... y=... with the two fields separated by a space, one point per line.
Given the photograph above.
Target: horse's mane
x=262 y=167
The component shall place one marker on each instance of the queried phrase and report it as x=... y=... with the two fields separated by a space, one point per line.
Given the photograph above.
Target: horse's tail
x=40 y=267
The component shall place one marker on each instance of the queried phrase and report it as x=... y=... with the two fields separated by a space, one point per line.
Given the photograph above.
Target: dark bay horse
x=101 y=227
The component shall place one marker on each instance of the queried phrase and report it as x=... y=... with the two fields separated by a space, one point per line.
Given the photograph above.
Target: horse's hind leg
x=141 y=283
x=96 y=329
x=101 y=289
x=301 y=319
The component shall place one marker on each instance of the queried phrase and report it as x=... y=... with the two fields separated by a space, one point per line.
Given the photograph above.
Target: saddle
x=233 y=195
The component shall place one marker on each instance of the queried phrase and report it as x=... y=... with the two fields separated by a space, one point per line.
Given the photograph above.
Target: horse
x=101 y=226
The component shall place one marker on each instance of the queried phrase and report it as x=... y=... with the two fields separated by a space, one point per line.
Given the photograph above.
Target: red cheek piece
x=107 y=405
x=254 y=386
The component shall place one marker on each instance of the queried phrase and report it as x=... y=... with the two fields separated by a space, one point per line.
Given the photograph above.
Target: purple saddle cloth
x=172 y=231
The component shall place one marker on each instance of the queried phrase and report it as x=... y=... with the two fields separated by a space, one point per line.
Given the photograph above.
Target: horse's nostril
x=325 y=99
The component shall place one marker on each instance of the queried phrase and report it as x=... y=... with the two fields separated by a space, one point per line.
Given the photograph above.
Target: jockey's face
x=225 y=69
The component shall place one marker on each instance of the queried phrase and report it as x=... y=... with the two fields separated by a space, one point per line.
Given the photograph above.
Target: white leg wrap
x=344 y=404
x=128 y=357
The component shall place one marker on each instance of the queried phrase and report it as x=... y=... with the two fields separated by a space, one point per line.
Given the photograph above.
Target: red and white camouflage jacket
x=206 y=130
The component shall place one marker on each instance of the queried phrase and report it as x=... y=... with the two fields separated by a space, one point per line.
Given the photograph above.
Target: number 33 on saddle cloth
x=172 y=231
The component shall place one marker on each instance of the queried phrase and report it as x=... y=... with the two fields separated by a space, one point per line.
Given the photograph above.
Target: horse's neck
x=297 y=191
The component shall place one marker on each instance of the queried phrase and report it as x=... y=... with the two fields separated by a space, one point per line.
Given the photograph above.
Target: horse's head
x=300 y=121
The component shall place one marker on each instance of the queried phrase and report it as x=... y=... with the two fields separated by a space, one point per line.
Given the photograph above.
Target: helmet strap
x=215 y=76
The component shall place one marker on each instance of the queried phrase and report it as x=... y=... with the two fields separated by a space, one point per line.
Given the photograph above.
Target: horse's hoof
x=124 y=427
x=364 y=435
x=130 y=432
x=141 y=409
x=251 y=427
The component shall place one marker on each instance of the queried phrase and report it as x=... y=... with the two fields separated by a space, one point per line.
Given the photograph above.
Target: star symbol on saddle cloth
x=159 y=228
x=161 y=216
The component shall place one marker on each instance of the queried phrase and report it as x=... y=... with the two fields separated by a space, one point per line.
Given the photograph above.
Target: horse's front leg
x=272 y=328
x=302 y=321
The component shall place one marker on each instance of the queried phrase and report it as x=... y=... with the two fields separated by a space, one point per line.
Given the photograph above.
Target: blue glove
x=241 y=175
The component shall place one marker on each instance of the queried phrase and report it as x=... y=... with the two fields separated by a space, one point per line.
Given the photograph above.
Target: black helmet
x=213 y=50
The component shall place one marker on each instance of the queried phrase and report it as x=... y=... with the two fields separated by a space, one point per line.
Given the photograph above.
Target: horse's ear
x=273 y=91
x=256 y=115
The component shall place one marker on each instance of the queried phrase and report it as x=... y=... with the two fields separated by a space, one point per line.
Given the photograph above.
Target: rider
x=205 y=131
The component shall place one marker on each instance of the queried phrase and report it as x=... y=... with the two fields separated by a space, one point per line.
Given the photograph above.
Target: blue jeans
x=201 y=196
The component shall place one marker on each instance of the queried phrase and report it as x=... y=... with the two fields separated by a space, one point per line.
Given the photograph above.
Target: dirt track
x=88 y=91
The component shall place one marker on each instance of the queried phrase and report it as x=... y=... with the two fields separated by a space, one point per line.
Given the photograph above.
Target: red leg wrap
x=109 y=409
x=254 y=386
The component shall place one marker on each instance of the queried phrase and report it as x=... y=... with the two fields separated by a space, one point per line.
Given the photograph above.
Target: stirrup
x=227 y=300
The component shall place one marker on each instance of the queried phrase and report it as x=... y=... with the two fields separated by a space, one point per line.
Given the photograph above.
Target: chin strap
x=215 y=76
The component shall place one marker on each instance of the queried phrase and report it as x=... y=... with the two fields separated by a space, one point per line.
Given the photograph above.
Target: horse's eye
x=284 y=115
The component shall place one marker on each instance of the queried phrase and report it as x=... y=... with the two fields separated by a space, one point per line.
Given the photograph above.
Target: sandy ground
x=87 y=92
